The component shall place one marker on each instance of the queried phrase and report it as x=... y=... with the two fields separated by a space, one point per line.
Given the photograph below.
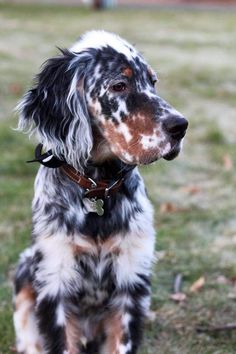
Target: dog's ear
x=55 y=108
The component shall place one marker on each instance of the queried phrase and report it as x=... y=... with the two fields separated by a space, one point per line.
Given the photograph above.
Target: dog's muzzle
x=175 y=127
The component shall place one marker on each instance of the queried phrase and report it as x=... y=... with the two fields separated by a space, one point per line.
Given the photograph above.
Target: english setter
x=84 y=284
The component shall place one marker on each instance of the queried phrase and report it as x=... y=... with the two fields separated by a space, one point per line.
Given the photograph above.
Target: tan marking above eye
x=128 y=72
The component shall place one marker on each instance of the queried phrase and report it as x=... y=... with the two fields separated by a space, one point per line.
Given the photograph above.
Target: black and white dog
x=84 y=284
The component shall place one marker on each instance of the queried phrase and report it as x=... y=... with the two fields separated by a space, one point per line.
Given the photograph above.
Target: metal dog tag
x=99 y=206
x=94 y=206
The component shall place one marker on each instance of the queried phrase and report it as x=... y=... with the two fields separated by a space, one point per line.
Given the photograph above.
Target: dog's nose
x=176 y=126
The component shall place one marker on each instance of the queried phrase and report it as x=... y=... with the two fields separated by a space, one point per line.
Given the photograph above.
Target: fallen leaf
x=233 y=279
x=227 y=162
x=178 y=297
x=169 y=208
x=15 y=89
x=197 y=285
x=192 y=189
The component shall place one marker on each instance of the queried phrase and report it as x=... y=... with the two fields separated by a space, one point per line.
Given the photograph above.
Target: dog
x=83 y=286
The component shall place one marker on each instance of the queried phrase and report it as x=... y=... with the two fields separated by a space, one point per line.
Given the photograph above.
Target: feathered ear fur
x=55 y=108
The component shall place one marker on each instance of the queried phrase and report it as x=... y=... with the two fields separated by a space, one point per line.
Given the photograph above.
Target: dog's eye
x=119 y=87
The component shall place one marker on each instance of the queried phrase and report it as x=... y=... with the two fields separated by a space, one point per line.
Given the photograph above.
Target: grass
x=194 y=196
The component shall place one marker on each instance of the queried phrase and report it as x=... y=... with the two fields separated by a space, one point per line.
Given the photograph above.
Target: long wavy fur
x=55 y=108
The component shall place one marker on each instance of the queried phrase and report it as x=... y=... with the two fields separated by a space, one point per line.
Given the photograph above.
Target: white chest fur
x=130 y=254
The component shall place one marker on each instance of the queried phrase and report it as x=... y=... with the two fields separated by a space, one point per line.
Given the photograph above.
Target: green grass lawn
x=194 y=196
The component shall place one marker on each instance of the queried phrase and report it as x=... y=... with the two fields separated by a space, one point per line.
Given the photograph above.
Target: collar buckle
x=94 y=184
x=107 y=189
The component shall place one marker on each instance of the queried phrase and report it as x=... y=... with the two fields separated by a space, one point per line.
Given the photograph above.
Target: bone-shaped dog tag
x=94 y=206
x=99 y=206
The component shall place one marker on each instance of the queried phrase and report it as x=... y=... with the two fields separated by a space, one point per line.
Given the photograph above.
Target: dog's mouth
x=173 y=153
x=149 y=159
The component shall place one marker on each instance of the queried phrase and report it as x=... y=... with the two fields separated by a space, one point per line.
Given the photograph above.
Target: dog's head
x=98 y=100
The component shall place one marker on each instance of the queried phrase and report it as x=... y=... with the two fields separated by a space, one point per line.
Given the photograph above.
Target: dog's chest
x=94 y=270
x=97 y=272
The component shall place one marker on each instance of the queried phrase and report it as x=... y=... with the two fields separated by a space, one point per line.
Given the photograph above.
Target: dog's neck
x=103 y=164
x=101 y=152
x=102 y=185
x=107 y=170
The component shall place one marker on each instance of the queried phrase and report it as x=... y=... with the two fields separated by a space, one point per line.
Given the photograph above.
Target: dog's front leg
x=50 y=327
x=123 y=327
x=56 y=279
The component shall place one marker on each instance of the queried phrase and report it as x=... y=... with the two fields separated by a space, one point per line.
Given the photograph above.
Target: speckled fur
x=83 y=286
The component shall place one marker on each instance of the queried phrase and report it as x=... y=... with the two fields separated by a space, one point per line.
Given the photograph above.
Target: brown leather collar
x=99 y=189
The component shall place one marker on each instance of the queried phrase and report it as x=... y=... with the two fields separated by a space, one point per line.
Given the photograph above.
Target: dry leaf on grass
x=15 y=89
x=227 y=162
x=198 y=285
x=169 y=208
x=178 y=297
x=233 y=279
x=191 y=189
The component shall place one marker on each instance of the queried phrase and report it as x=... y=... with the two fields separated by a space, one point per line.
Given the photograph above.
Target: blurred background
x=192 y=46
